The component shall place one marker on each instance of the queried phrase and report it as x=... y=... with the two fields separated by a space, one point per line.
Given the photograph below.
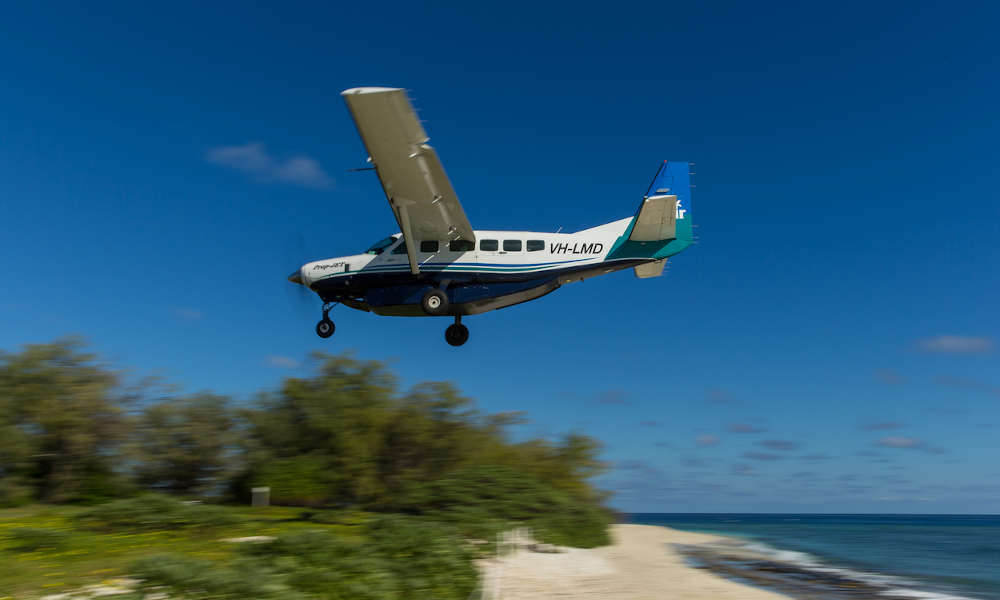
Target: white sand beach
x=639 y=565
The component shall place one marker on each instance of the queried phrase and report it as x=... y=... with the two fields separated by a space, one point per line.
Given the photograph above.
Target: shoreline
x=641 y=563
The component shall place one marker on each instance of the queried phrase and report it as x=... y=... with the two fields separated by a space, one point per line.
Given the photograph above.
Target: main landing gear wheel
x=325 y=328
x=456 y=334
x=435 y=302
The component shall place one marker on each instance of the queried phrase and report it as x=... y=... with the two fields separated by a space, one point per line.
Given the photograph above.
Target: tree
x=185 y=445
x=15 y=450
x=62 y=422
x=347 y=436
x=432 y=430
x=343 y=436
x=338 y=416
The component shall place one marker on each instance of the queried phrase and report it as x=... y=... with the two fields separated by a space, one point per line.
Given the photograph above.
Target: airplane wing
x=418 y=190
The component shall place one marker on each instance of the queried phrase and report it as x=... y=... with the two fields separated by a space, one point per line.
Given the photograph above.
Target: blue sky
x=829 y=345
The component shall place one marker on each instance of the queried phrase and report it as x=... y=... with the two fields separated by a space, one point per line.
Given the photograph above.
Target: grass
x=46 y=549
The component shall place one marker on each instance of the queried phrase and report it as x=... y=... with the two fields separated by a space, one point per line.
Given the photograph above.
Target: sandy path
x=640 y=565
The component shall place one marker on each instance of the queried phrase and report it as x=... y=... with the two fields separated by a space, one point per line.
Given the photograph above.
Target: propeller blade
x=299 y=295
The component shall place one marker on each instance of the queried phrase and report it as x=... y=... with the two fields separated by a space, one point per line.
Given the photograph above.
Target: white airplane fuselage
x=500 y=269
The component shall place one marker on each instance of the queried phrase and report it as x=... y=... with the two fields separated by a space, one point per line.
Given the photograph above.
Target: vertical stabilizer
x=662 y=225
x=674 y=178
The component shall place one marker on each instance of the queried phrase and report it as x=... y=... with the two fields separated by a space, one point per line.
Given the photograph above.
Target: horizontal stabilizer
x=650 y=269
x=657 y=219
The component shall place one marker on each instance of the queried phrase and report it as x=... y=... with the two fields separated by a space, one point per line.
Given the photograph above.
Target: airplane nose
x=296 y=277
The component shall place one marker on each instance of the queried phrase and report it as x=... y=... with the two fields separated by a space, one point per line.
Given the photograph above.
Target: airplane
x=438 y=265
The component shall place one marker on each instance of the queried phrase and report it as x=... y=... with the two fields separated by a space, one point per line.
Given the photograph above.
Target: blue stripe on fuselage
x=488 y=284
x=469 y=267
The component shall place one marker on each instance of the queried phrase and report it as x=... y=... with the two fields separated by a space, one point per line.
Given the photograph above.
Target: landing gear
x=435 y=302
x=325 y=327
x=456 y=334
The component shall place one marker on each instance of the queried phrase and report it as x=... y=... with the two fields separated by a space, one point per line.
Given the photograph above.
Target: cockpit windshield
x=380 y=246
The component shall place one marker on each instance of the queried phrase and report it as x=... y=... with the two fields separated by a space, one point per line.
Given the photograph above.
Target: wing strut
x=411 y=243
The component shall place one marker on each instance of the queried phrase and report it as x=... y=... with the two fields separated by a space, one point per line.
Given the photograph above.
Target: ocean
x=930 y=557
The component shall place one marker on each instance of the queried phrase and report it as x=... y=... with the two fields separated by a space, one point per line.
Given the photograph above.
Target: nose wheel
x=325 y=327
x=456 y=334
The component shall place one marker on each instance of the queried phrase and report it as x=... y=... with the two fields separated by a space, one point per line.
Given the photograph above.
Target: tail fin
x=674 y=180
x=662 y=225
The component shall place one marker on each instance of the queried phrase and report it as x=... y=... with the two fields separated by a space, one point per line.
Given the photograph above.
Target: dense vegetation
x=345 y=438
x=48 y=548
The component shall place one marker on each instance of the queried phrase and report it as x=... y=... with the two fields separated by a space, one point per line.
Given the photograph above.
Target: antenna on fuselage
x=560 y=229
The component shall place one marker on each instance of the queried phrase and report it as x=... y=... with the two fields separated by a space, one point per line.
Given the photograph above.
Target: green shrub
x=29 y=539
x=101 y=487
x=483 y=500
x=297 y=481
x=429 y=559
x=13 y=492
x=402 y=559
x=334 y=517
x=152 y=512
x=579 y=525
x=322 y=565
x=196 y=578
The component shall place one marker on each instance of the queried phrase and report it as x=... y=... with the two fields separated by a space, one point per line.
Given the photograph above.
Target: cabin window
x=380 y=246
x=400 y=249
x=512 y=245
x=429 y=246
x=489 y=245
x=461 y=246
x=535 y=245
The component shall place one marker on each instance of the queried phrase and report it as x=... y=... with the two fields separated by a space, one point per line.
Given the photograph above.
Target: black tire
x=435 y=302
x=456 y=334
x=325 y=328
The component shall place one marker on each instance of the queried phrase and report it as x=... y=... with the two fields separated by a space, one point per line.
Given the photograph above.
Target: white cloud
x=754 y=455
x=956 y=344
x=612 y=397
x=967 y=383
x=282 y=362
x=745 y=428
x=908 y=442
x=882 y=426
x=896 y=441
x=889 y=377
x=187 y=314
x=254 y=159
x=706 y=440
x=779 y=444
x=718 y=396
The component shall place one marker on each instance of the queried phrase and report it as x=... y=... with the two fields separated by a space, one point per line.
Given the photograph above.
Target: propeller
x=303 y=299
